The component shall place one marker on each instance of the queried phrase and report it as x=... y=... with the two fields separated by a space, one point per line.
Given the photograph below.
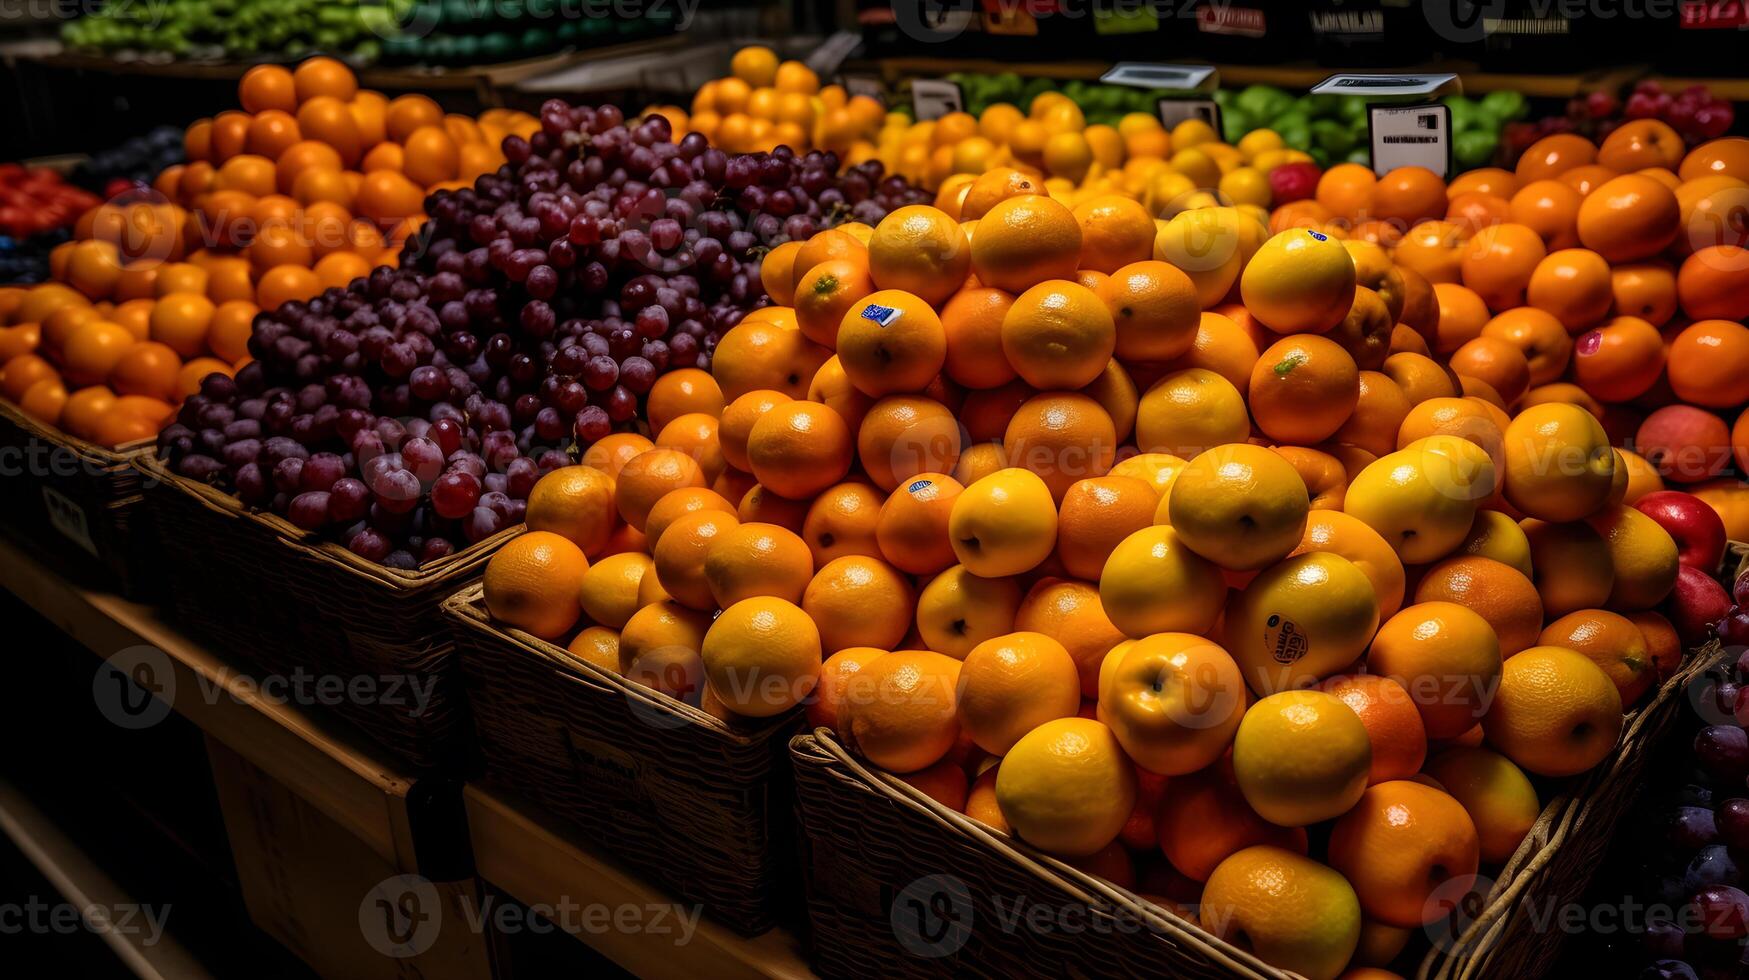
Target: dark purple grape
x=1723 y=751
x=455 y=494
x=309 y=510
x=1732 y=821
x=348 y=500
x=1691 y=828
x=1711 y=865
x=1722 y=911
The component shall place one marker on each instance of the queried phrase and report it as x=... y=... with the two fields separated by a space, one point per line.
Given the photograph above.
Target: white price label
x=1175 y=78
x=69 y=519
x=1174 y=111
x=1410 y=136
x=1397 y=85
x=932 y=98
x=865 y=85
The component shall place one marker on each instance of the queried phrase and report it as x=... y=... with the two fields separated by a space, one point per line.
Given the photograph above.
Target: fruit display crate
x=302 y=607
x=897 y=884
x=59 y=489
x=619 y=762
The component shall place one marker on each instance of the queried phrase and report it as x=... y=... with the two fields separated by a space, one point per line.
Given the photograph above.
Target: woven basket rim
x=441 y=571
x=121 y=455
x=468 y=608
x=1079 y=884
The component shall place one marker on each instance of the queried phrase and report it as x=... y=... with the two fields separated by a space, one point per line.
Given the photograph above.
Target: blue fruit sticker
x=918 y=485
x=1320 y=236
x=883 y=315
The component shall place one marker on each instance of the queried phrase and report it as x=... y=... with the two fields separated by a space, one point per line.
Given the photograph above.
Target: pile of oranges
x=1259 y=571
x=1617 y=272
x=310 y=186
x=764 y=103
x=1167 y=170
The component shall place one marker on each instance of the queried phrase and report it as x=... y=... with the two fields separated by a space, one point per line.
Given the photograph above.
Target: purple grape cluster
x=365 y=417
x=625 y=253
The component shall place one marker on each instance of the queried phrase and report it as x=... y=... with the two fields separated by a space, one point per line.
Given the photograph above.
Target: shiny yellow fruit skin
x=1559 y=464
x=762 y=656
x=1301 y=757
x=1402 y=497
x=1497 y=536
x=1301 y=620
x=1173 y=700
x=1293 y=912
x=1003 y=524
x=1241 y=506
x=1152 y=583
x=1498 y=796
x=1644 y=556
x=1300 y=281
x=1066 y=787
x=958 y=610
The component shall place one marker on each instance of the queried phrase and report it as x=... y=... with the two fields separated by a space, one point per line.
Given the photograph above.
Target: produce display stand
x=900 y=885
x=617 y=761
x=540 y=864
x=73 y=498
x=316 y=816
x=292 y=602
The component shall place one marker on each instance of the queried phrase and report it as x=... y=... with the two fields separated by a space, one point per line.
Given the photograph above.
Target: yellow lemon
x=1300 y=281
x=1004 y=523
x=1066 y=787
x=1301 y=757
x=1152 y=563
x=1241 y=506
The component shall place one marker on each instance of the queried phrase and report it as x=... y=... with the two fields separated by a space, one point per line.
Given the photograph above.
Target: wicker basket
x=899 y=885
x=67 y=490
x=701 y=807
x=300 y=607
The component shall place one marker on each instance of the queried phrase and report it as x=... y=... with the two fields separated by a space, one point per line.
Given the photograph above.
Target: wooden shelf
x=317 y=758
x=1295 y=75
x=536 y=864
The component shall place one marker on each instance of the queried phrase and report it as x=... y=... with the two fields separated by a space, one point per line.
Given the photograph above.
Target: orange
x=1115 y=231
x=1189 y=411
x=1462 y=316
x=119 y=428
x=1347 y=190
x=922 y=251
x=189 y=378
x=1574 y=285
x=682 y=392
x=1499 y=364
x=230 y=133
x=576 y=503
x=1070 y=612
x=993 y=186
x=1709 y=364
x=737 y=419
x=1727 y=156
x=798 y=449
x=407 y=113
x=1558 y=463
x=265 y=87
x=93 y=350
x=1203 y=819
x=1303 y=389
x=1629 y=217
x=180 y=321
x=1011 y=684
x=826 y=246
x=323 y=76
x=1066 y=787
x=761 y=657
x=1611 y=641
x=838 y=684
x=329 y=120
x=841 y=522
x=972 y=321
x=1420 y=377
x=1551 y=209
x=1154 y=308
x=1553 y=155
x=1642 y=553
x=386 y=197
x=825 y=293
x=1475 y=210
x=1435 y=249
x=902 y=715
x=755 y=559
x=532 y=584
x=1173 y=700
x=1058 y=335
x=1711 y=283
x=1646 y=290
x=23 y=339
x=1095 y=515
x=1499 y=261
x=1393 y=725
x=59 y=327
x=1663 y=645
x=1341 y=534
x=1325 y=477
x=611 y=453
x=1538 y=335
x=22 y=372
x=904 y=435
x=1023 y=241
x=86 y=410
x=609 y=591
x=911 y=532
x=370 y=113
x=1499 y=593
x=148 y=368
x=337 y=270
x=859 y=601
x=596 y=645
x=1400 y=847
x=1061 y=437
x=1221 y=346
x=659 y=637
x=1572 y=565
x=431 y=156
x=1499 y=798
x=681 y=552
x=766 y=353
x=1621 y=359
x=1556 y=713
x=647 y=477
x=94 y=268
x=1446 y=656
x=891 y=342
x=1641 y=143
x=1408 y=195
x=282 y=284
x=673 y=505
x=45 y=400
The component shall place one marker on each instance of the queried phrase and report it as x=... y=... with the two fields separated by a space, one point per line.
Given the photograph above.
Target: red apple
x=1294 y=181
x=1697 y=529
x=1696 y=604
